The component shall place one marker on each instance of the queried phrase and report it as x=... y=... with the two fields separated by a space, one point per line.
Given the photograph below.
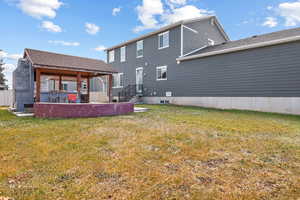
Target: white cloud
x=185 y=12
x=6 y=55
x=269 y=7
x=100 y=48
x=91 y=29
x=64 y=43
x=9 y=68
x=270 y=22
x=40 y=8
x=115 y=11
x=51 y=27
x=14 y=56
x=178 y=2
x=290 y=11
x=147 y=13
x=152 y=14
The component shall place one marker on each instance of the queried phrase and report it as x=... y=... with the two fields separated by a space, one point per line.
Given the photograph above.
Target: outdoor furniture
x=72 y=98
x=53 y=97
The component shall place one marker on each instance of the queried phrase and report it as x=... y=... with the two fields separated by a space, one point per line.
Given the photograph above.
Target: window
x=163 y=40
x=123 y=54
x=115 y=80
x=140 y=49
x=161 y=73
x=51 y=85
x=111 y=56
x=118 y=80
x=65 y=86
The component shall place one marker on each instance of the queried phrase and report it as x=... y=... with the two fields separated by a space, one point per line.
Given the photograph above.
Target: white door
x=139 y=79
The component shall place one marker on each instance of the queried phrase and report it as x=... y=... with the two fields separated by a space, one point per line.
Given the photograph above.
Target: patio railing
x=130 y=91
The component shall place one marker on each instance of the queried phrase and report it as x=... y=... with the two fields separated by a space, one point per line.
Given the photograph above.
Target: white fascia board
x=194 y=51
x=193 y=30
x=241 y=48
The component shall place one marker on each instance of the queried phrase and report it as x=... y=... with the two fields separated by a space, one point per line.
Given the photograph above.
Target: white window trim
x=161 y=67
x=118 y=83
x=124 y=47
x=167 y=32
x=137 y=49
x=109 y=59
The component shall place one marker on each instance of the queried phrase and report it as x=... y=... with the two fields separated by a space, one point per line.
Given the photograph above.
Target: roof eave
x=241 y=48
x=73 y=69
x=165 y=28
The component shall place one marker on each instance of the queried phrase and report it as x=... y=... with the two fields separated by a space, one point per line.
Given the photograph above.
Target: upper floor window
x=140 y=49
x=123 y=54
x=161 y=73
x=111 y=56
x=163 y=40
x=118 y=80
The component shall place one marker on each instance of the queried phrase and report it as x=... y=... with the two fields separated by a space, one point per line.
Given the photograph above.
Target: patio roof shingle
x=55 y=60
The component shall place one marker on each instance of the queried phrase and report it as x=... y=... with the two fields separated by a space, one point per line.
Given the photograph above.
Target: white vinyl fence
x=6 y=97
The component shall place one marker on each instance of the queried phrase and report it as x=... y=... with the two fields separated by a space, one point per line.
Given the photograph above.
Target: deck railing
x=130 y=91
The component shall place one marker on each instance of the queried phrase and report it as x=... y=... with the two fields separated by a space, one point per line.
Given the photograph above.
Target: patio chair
x=72 y=98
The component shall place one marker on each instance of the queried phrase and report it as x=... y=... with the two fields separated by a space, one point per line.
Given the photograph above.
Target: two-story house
x=193 y=62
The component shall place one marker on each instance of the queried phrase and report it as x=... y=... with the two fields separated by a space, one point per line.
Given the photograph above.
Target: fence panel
x=6 y=97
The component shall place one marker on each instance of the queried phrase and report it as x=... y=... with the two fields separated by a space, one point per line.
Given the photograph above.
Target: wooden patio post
x=88 y=89
x=38 y=85
x=60 y=85
x=110 y=87
x=79 y=85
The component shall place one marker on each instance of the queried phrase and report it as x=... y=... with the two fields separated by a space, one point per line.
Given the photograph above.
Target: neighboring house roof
x=165 y=28
x=54 y=60
x=258 y=41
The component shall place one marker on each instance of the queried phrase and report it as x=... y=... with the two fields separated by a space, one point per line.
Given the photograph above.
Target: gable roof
x=165 y=28
x=54 y=60
x=257 y=41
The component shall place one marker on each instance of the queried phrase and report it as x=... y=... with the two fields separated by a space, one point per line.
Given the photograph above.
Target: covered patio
x=63 y=84
x=67 y=86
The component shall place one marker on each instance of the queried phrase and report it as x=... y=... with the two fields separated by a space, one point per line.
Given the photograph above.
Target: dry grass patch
x=170 y=152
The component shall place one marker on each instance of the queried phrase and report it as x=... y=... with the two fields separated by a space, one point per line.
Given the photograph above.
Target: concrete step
x=140 y=109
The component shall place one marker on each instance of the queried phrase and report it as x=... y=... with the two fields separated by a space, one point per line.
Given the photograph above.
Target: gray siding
x=23 y=84
x=264 y=72
x=206 y=29
x=154 y=57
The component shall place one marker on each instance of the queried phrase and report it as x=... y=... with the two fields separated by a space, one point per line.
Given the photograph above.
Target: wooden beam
x=60 y=84
x=110 y=87
x=38 y=85
x=79 y=85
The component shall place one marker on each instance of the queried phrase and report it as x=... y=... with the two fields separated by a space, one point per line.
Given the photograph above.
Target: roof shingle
x=55 y=60
x=251 y=40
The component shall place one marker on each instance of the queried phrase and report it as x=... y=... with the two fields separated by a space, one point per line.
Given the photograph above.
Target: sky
x=86 y=27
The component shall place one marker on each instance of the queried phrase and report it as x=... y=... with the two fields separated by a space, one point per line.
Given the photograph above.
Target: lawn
x=170 y=152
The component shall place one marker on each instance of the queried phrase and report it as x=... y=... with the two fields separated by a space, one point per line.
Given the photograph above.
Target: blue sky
x=85 y=28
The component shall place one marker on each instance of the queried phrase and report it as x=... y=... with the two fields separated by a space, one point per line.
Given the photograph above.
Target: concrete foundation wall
x=284 y=105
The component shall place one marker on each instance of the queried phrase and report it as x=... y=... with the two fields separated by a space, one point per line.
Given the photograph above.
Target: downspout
x=181 y=40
